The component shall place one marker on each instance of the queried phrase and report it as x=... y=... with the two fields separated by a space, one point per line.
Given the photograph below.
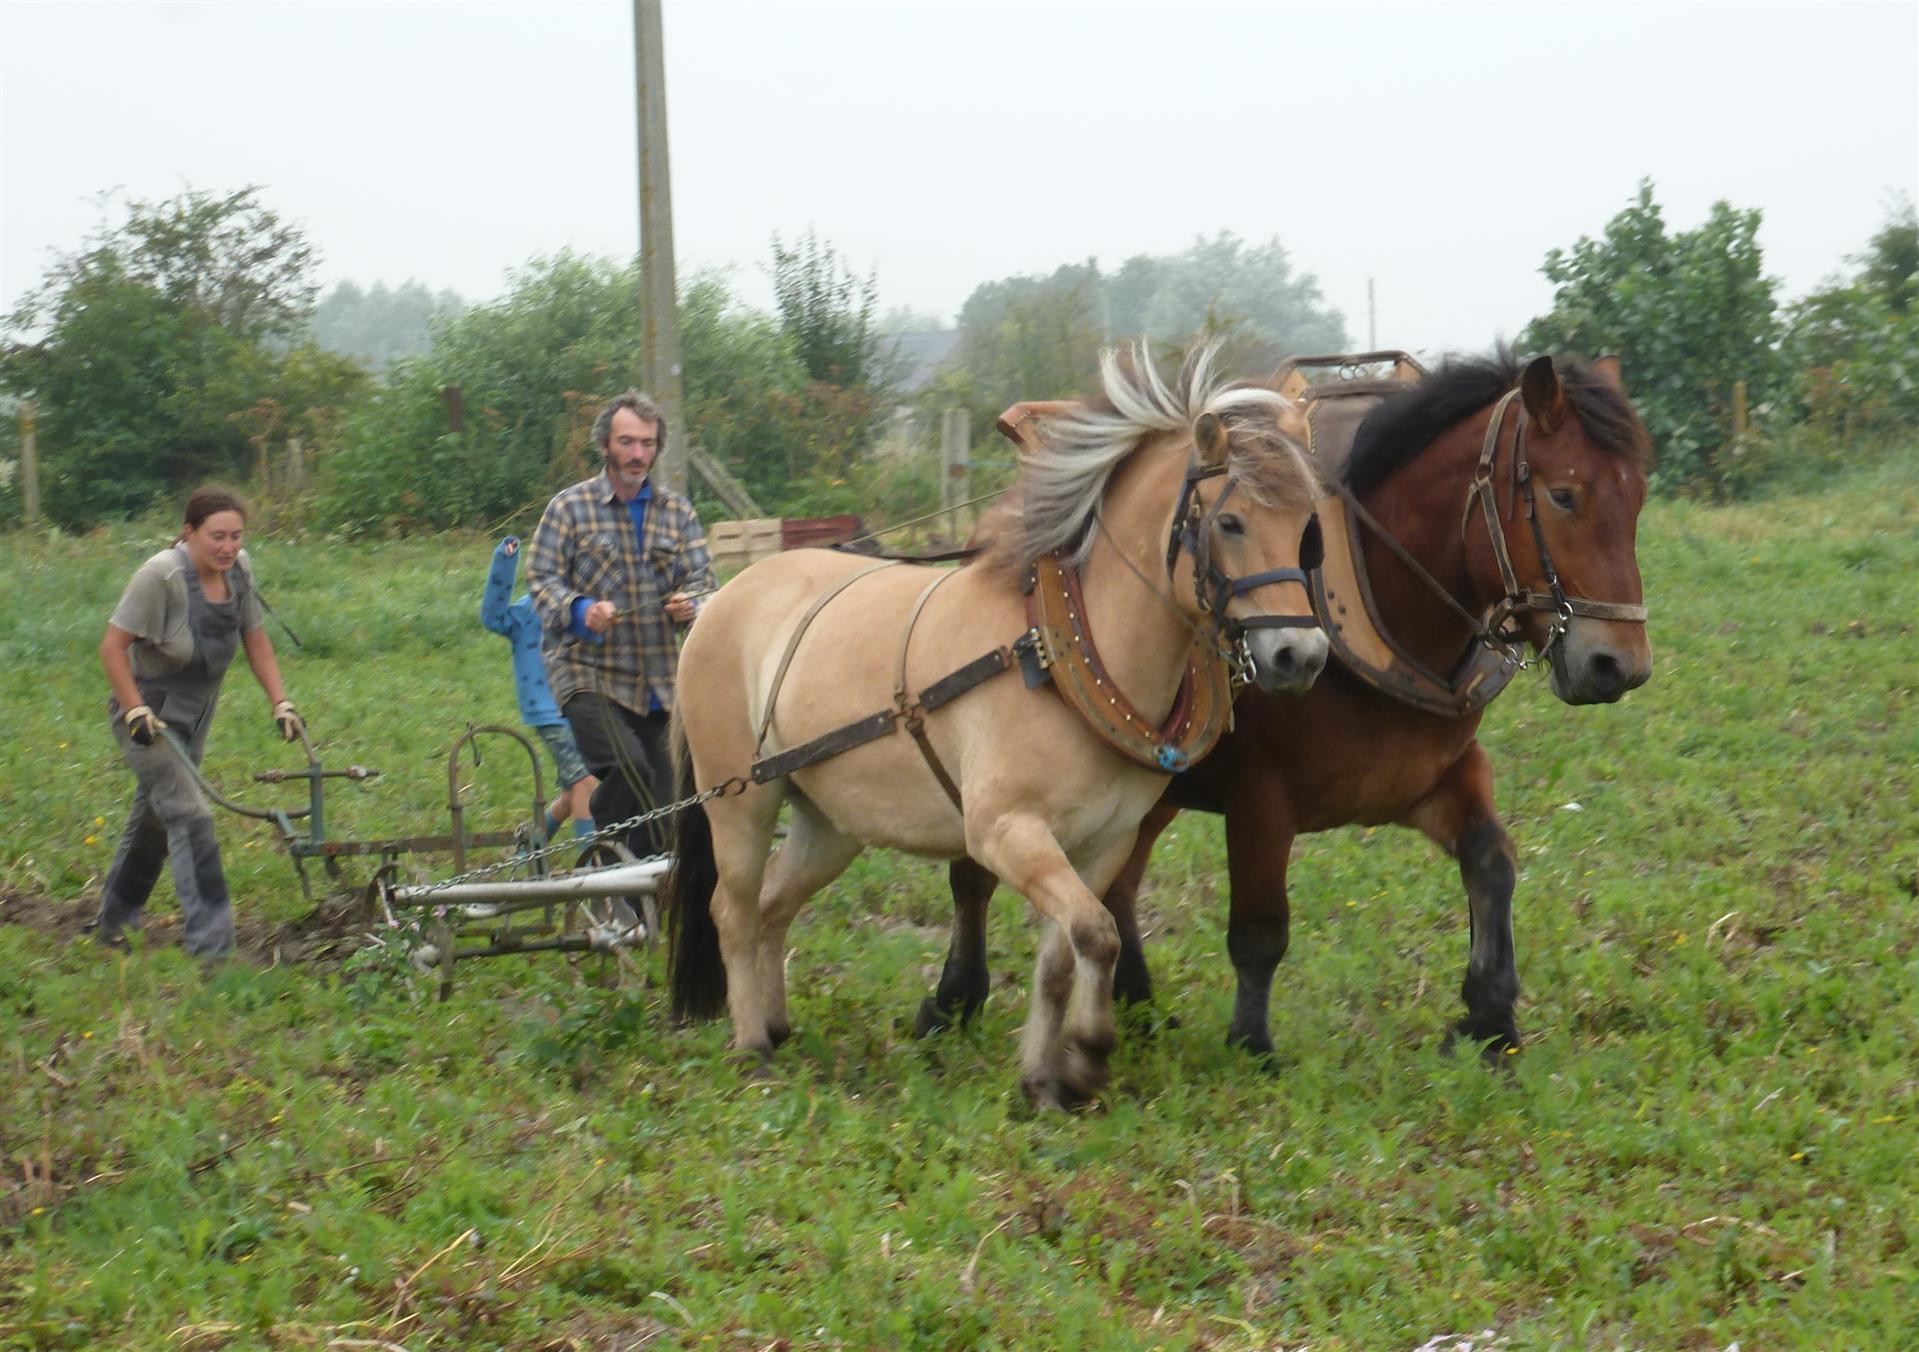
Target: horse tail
x=695 y=970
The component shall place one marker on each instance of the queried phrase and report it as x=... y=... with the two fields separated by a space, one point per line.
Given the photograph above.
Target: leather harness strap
x=793 y=643
x=913 y=714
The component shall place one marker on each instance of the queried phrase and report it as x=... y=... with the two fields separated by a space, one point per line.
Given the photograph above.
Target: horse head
x=1207 y=467
x=1245 y=536
x=1552 y=523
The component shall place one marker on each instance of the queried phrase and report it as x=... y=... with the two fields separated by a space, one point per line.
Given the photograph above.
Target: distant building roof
x=916 y=357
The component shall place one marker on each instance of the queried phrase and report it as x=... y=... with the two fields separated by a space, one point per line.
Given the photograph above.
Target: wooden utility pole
x=955 y=438
x=659 y=298
x=29 y=466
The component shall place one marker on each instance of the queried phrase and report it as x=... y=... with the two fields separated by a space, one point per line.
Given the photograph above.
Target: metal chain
x=737 y=784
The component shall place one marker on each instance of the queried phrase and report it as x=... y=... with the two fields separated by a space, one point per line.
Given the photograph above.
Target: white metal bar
x=624 y=880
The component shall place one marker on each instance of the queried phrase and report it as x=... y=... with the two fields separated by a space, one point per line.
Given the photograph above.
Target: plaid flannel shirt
x=585 y=546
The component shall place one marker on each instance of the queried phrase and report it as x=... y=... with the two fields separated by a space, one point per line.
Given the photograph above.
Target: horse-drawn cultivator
x=602 y=902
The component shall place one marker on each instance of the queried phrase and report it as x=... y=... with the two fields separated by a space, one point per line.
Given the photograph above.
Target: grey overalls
x=170 y=816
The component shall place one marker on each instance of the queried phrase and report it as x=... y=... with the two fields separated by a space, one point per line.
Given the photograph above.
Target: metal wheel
x=614 y=918
x=526 y=840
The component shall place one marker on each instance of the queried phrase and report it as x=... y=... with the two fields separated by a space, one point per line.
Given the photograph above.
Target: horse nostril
x=1605 y=672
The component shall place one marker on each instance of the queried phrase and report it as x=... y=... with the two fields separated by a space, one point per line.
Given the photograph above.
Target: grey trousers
x=169 y=819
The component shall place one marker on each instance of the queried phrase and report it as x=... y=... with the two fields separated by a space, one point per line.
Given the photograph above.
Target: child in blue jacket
x=517 y=621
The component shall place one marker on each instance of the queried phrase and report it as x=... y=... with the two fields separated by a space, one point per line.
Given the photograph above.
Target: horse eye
x=1231 y=525
x=1562 y=498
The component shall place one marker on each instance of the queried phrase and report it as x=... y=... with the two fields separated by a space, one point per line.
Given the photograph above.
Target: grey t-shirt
x=153 y=609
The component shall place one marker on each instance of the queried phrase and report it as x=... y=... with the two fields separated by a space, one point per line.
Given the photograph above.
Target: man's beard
x=621 y=477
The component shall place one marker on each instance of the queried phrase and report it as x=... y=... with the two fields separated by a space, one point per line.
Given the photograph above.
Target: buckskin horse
x=1485 y=507
x=1154 y=548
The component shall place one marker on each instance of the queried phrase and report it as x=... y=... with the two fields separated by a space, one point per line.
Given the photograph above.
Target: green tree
x=150 y=350
x=534 y=366
x=1855 y=341
x=828 y=313
x=1022 y=338
x=379 y=325
x=1223 y=284
x=1039 y=337
x=1689 y=314
x=1890 y=266
x=564 y=333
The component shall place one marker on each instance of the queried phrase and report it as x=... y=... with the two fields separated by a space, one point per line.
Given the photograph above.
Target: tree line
x=188 y=341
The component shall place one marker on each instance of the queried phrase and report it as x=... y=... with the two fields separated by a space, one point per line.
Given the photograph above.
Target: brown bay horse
x=1561 y=479
x=1182 y=509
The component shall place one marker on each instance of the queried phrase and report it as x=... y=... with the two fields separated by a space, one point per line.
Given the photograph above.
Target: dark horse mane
x=1401 y=428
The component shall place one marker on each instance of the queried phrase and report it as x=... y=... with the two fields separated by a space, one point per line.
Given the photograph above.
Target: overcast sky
x=1439 y=149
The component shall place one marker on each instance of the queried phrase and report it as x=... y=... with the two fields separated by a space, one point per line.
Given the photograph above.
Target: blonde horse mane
x=1061 y=483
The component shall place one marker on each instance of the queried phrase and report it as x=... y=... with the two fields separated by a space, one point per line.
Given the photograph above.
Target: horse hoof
x=779 y=1034
x=1258 y=1042
x=755 y=1063
x=1498 y=1048
x=1082 y=1075
x=1045 y=1091
x=932 y=1019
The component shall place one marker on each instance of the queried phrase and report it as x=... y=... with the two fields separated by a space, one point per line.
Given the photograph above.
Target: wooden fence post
x=29 y=466
x=296 y=465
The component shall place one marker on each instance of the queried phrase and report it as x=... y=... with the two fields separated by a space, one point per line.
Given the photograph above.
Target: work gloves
x=287 y=719
x=143 y=725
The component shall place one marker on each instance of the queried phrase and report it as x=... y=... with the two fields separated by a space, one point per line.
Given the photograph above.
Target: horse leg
x=1132 y=983
x=742 y=830
x=1458 y=815
x=1259 y=844
x=1069 y=1030
x=964 y=981
x=812 y=855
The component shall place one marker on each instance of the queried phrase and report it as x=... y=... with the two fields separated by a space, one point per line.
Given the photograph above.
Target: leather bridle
x=1499 y=625
x=1496 y=628
x=1213 y=587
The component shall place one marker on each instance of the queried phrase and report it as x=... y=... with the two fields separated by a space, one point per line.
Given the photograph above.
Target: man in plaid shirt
x=617 y=568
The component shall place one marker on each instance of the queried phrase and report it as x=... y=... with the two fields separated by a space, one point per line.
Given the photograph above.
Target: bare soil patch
x=325 y=936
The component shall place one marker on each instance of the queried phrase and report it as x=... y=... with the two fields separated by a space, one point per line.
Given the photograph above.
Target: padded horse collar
x=1063 y=647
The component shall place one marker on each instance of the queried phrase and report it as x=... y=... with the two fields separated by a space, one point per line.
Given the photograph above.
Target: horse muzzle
x=1287 y=661
x=1589 y=668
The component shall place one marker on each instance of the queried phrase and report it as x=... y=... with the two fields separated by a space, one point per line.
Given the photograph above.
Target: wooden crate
x=801 y=532
x=734 y=544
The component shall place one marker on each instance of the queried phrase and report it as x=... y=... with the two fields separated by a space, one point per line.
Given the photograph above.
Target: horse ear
x=1209 y=439
x=1607 y=369
x=1545 y=398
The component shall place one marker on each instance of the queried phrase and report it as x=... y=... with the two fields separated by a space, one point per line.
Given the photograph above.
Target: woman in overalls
x=166 y=650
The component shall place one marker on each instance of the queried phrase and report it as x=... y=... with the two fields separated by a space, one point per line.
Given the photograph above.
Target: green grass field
x=1709 y=1138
